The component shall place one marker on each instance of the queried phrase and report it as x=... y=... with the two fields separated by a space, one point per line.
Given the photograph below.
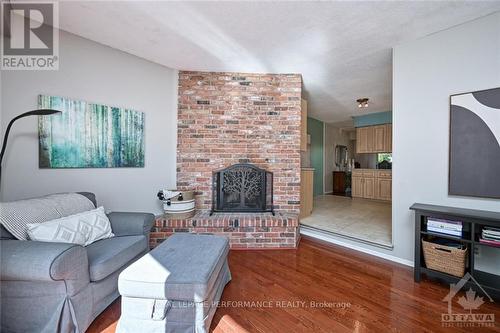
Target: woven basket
x=445 y=259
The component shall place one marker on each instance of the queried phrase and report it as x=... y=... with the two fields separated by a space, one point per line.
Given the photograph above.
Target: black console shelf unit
x=473 y=221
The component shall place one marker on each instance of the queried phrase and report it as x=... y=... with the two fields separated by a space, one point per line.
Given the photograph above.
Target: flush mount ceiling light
x=362 y=102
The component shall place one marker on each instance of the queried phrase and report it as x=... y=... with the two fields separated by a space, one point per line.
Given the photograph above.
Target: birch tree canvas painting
x=88 y=135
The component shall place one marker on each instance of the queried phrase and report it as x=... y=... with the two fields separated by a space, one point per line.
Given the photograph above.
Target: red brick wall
x=228 y=118
x=244 y=230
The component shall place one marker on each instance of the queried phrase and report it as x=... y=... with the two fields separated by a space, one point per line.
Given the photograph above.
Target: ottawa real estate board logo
x=30 y=35
x=471 y=302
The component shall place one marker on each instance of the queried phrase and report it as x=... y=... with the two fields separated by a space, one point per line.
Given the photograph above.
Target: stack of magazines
x=447 y=227
x=490 y=236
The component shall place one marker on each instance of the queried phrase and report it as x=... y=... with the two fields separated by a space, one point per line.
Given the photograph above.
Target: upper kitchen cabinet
x=388 y=138
x=364 y=140
x=374 y=139
x=379 y=138
x=303 y=125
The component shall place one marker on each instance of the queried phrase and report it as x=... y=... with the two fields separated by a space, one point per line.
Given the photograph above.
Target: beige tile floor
x=367 y=220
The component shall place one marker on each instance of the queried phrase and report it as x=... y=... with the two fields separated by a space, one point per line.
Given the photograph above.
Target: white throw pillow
x=83 y=228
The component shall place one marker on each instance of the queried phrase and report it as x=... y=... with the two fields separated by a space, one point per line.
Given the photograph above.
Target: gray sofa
x=58 y=287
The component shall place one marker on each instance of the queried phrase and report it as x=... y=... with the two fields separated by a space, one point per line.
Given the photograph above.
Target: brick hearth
x=244 y=230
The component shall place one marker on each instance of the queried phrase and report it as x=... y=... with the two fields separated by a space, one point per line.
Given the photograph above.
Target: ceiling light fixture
x=362 y=102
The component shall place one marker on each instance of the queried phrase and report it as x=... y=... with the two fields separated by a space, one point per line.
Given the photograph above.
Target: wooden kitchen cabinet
x=357 y=187
x=369 y=188
x=364 y=140
x=388 y=138
x=303 y=125
x=372 y=184
x=306 y=192
x=384 y=189
x=363 y=187
x=379 y=138
x=374 y=139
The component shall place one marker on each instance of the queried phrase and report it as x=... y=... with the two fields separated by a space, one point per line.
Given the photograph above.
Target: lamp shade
x=39 y=112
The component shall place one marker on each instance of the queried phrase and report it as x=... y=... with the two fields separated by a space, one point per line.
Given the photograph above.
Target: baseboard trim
x=328 y=238
x=349 y=238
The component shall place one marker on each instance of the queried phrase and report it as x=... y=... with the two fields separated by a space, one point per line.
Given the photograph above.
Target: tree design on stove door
x=244 y=184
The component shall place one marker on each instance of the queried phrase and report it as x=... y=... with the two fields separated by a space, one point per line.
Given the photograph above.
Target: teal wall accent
x=315 y=129
x=378 y=118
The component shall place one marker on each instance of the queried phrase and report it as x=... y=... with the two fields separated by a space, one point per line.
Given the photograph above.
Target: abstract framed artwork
x=474 y=164
x=89 y=135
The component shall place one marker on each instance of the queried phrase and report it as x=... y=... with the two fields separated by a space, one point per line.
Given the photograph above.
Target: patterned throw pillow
x=83 y=228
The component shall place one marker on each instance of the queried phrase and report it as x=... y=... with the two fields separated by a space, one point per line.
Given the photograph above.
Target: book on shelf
x=490 y=242
x=445 y=227
x=493 y=229
x=444 y=231
x=490 y=237
x=444 y=224
x=491 y=233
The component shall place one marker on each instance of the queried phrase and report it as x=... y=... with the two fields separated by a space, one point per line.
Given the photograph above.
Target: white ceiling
x=342 y=49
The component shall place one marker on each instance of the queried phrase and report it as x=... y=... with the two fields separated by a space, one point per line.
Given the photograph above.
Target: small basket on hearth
x=446 y=259
x=177 y=204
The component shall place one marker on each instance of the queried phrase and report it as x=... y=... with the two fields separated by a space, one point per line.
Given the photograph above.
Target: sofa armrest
x=42 y=261
x=131 y=224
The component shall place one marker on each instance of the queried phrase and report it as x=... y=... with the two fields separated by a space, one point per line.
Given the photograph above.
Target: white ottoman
x=175 y=287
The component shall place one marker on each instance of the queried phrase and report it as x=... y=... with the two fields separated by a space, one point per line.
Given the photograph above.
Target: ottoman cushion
x=185 y=267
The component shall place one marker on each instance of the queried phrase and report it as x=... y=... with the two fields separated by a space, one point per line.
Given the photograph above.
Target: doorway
x=356 y=202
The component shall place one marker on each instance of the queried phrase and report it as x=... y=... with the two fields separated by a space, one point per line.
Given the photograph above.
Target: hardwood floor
x=359 y=293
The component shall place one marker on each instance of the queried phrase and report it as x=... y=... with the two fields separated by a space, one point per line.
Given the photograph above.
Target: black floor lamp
x=41 y=112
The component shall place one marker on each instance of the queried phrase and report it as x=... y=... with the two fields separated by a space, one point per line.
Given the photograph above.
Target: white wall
x=425 y=73
x=95 y=73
